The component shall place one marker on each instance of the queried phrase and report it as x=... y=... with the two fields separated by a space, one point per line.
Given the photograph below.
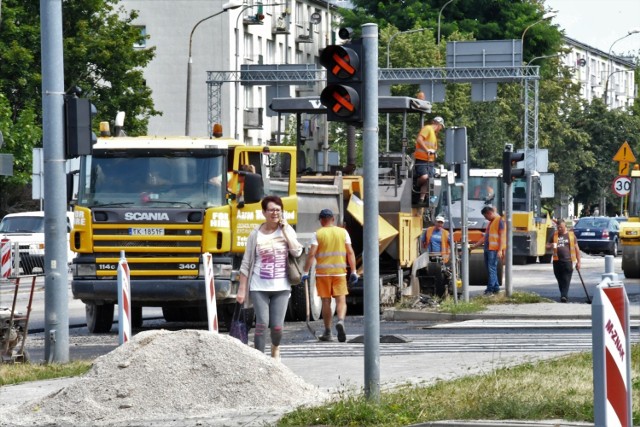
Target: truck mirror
x=253 y=187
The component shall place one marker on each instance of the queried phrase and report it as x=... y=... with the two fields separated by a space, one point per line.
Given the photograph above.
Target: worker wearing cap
x=425 y=154
x=332 y=250
x=436 y=239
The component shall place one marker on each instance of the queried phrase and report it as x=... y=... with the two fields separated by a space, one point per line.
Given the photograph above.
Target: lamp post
x=237 y=82
x=546 y=16
x=389 y=66
x=439 y=17
x=227 y=6
x=555 y=55
x=605 y=96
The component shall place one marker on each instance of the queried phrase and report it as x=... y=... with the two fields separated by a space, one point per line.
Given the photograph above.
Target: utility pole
x=56 y=282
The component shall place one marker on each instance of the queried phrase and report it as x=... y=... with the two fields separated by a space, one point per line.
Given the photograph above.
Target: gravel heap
x=168 y=375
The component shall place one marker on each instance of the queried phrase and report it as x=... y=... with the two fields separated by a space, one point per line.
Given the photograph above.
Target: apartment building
x=601 y=74
x=224 y=39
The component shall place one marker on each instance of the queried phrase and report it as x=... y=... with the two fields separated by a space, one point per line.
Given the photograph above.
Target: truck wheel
x=99 y=317
x=545 y=259
x=136 y=317
x=172 y=314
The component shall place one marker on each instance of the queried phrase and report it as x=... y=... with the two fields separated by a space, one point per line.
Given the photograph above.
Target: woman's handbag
x=238 y=328
x=294 y=269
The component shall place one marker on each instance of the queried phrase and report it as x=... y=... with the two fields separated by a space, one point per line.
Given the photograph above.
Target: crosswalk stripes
x=475 y=336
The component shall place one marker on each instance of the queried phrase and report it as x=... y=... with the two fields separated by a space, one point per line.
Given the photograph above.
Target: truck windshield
x=195 y=182
x=483 y=191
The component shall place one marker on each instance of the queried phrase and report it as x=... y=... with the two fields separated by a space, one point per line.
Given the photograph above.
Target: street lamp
x=605 y=96
x=237 y=82
x=234 y=4
x=439 y=17
x=555 y=55
x=388 y=65
x=546 y=16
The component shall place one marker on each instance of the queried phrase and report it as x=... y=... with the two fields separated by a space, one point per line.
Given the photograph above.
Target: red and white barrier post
x=212 y=310
x=611 y=355
x=5 y=257
x=124 y=300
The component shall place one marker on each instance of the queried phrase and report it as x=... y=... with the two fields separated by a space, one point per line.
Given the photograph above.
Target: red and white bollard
x=124 y=300
x=212 y=310
x=5 y=257
x=611 y=355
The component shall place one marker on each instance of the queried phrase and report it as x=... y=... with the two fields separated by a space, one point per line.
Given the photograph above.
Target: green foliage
x=99 y=57
x=530 y=391
x=606 y=130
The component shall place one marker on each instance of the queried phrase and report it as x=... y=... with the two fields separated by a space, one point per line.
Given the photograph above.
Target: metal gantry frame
x=528 y=75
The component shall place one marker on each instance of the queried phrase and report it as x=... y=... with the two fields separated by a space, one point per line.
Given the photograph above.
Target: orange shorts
x=331 y=286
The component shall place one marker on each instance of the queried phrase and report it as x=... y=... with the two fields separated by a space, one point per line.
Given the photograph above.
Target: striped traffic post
x=5 y=257
x=212 y=310
x=611 y=355
x=124 y=300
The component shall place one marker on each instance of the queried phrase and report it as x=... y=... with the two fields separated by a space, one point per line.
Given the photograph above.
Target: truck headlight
x=80 y=270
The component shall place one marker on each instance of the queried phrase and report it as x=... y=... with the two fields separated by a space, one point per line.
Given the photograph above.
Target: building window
x=142 y=42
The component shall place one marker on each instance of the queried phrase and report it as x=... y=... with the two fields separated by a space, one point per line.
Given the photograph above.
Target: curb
x=552 y=423
x=409 y=315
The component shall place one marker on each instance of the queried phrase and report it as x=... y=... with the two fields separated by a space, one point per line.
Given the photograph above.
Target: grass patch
x=23 y=372
x=481 y=302
x=555 y=389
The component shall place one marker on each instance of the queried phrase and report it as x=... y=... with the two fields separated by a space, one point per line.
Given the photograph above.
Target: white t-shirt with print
x=270 y=267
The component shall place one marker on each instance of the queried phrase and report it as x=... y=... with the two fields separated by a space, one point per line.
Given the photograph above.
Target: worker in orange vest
x=495 y=244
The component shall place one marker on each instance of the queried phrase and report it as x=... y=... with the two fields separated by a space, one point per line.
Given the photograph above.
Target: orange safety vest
x=430 y=143
x=572 y=246
x=444 y=245
x=331 y=257
x=497 y=240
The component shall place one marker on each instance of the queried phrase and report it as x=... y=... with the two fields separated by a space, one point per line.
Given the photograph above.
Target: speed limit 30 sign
x=621 y=185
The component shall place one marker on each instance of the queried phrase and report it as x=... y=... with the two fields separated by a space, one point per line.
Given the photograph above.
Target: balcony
x=253 y=118
x=304 y=34
x=280 y=27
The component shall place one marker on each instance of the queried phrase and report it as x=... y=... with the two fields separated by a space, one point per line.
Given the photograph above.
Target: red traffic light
x=341 y=62
x=343 y=102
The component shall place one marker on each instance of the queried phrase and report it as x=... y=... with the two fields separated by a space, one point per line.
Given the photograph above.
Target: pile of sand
x=168 y=375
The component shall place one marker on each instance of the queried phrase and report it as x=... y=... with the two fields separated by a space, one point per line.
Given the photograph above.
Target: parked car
x=598 y=234
x=27 y=230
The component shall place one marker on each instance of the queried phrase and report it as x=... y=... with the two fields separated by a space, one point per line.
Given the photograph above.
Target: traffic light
x=260 y=13
x=343 y=94
x=509 y=160
x=79 y=138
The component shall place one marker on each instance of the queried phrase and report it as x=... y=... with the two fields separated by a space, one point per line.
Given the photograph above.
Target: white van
x=27 y=230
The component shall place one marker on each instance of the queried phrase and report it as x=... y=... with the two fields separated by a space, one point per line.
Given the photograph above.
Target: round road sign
x=621 y=185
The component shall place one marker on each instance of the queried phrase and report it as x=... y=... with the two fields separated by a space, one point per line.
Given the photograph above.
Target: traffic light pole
x=508 y=261
x=370 y=255
x=56 y=282
x=509 y=159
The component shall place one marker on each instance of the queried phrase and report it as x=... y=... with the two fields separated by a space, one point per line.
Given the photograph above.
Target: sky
x=599 y=23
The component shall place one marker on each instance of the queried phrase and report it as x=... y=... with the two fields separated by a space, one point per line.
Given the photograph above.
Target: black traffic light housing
x=509 y=160
x=79 y=137
x=343 y=94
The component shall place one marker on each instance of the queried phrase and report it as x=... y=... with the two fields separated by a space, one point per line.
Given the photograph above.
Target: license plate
x=588 y=233
x=146 y=231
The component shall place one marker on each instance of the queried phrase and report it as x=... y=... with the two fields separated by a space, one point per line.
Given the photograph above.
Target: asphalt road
x=536 y=278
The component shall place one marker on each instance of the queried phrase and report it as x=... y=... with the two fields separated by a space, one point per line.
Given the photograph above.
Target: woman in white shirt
x=264 y=272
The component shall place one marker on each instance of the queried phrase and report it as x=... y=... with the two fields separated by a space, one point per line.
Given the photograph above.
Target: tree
x=99 y=58
x=606 y=131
